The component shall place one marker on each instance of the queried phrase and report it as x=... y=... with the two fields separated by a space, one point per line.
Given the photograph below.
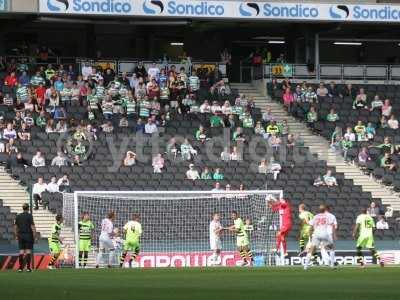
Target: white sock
x=99 y=258
x=307 y=263
x=111 y=257
x=332 y=257
x=325 y=257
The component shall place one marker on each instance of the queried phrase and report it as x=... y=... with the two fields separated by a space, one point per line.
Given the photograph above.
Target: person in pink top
x=288 y=98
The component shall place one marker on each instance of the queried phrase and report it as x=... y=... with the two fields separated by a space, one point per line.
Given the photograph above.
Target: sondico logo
x=153 y=7
x=339 y=12
x=57 y=5
x=249 y=9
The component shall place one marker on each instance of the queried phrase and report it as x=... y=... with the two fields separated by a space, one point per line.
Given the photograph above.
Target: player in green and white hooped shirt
x=133 y=232
x=55 y=241
x=85 y=227
x=363 y=230
x=242 y=239
x=305 y=228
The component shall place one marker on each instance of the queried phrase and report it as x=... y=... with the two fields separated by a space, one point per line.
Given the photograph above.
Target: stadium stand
x=57 y=125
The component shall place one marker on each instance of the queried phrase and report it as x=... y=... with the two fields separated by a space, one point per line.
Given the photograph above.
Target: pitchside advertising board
x=226 y=10
x=201 y=259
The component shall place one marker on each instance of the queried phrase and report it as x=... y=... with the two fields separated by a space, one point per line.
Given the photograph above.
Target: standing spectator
x=288 y=99
x=25 y=233
x=192 y=173
x=38 y=188
x=158 y=163
x=38 y=160
x=363 y=157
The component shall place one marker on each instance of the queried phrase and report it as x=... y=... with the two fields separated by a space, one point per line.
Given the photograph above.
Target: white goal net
x=176 y=224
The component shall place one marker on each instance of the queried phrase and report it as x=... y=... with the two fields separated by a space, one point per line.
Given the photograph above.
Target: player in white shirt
x=323 y=232
x=106 y=246
x=328 y=253
x=215 y=240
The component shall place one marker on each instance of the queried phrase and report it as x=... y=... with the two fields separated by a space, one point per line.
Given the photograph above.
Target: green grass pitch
x=207 y=284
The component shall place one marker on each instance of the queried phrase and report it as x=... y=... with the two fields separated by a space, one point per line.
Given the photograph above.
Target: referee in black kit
x=25 y=233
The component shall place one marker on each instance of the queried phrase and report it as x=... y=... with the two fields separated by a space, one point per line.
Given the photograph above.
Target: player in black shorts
x=25 y=233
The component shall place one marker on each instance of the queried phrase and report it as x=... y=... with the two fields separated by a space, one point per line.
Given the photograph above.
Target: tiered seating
x=6 y=223
x=349 y=118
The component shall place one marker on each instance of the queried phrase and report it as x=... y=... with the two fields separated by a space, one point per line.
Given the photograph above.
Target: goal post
x=176 y=223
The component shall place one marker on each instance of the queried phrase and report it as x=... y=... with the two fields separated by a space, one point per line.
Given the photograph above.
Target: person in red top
x=285 y=212
x=40 y=91
x=11 y=80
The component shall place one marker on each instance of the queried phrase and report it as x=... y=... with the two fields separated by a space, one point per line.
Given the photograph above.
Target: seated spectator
x=329 y=180
x=201 y=134
x=387 y=162
x=192 y=173
x=9 y=132
x=63 y=183
x=52 y=186
x=76 y=161
x=217 y=187
x=263 y=167
x=24 y=132
x=386 y=109
x=238 y=135
x=360 y=131
x=336 y=139
x=107 y=127
x=267 y=116
x=386 y=146
x=275 y=142
x=332 y=116
x=38 y=188
x=350 y=134
x=130 y=159
x=383 y=122
x=376 y=103
x=247 y=121
x=272 y=128
x=206 y=174
x=171 y=148
x=226 y=108
x=139 y=127
x=389 y=212
x=216 y=108
x=274 y=168
x=318 y=181
x=158 y=163
x=21 y=161
x=360 y=101
x=38 y=160
x=393 y=123
x=216 y=121
x=370 y=131
x=349 y=91
x=288 y=99
x=218 y=175
x=322 y=91
x=373 y=210
x=50 y=126
x=123 y=122
x=333 y=90
x=235 y=154
x=187 y=150
x=312 y=117
x=258 y=129
x=291 y=141
x=60 y=160
x=363 y=157
x=382 y=224
x=205 y=107
x=150 y=128
x=10 y=148
x=225 y=154
x=310 y=95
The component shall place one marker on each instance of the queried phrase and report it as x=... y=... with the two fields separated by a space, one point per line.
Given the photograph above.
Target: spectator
x=350 y=134
x=360 y=101
x=238 y=135
x=263 y=167
x=393 y=123
x=158 y=163
x=272 y=128
x=332 y=116
x=329 y=180
x=217 y=187
x=38 y=160
x=247 y=121
x=187 y=150
x=218 y=175
x=363 y=157
x=373 y=210
x=346 y=145
x=360 y=131
x=370 y=131
x=150 y=128
x=382 y=224
x=386 y=109
x=205 y=107
x=258 y=129
x=274 y=168
x=225 y=154
x=201 y=134
x=310 y=95
x=267 y=116
x=130 y=159
x=333 y=90
x=192 y=173
x=21 y=161
x=235 y=154
x=172 y=149
x=60 y=160
x=24 y=133
x=312 y=117
x=376 y=103
x=275 y=142
x=226 y=108
x=52 y=186
x=38 y=188
x=63 y=183
x=288 y=99
x=318 y=181
x=206 y=174
x=386 y=146
x=107 y=127
x=387 y=162
x=9 y=132
x=322 y=91
x=216 y=120
x=389 y=212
